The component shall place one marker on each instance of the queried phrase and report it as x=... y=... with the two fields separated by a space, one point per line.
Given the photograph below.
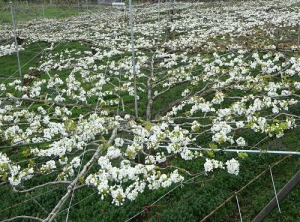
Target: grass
x=27 y=12
x=28 y=58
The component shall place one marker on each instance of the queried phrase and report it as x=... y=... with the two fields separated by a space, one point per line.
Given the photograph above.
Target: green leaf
x=242 y=155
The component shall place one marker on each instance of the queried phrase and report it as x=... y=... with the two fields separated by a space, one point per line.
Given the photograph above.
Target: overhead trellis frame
x=14 y=30
x=133 y=58
x=243 y=151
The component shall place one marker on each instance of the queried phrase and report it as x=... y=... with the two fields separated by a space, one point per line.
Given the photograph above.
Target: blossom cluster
x=109 y=179
x=9 y=49
x=13 y=172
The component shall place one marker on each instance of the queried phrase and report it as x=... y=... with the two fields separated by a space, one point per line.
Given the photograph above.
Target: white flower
x=233 y=166
x=208 y=166
x=113 y=152
x=195 y=126
x=240 y=124
x=119 y=142
x=49 y=165
x=219 y=98
x=241 y=141
x=275 y=109
x=164 y=126
x=75 y=162
x=185 y=92
x=117 y=195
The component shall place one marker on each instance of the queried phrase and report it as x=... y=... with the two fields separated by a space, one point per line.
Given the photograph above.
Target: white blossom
x=233 y=166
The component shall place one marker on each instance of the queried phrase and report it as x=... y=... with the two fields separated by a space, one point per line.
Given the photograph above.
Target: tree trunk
x=150 y=97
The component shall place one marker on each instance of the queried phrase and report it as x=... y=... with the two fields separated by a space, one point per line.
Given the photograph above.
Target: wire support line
x=242 y=151
x=72 y=197
x=29 y=61
x=29 y=199
x=170 y=191
x=239 y=209
x=244 y=187
x=275 y=190
x=10 y=76
x=40 y=205
x=77 y=202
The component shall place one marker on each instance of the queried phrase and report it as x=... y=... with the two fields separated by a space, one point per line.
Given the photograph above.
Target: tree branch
x=72 y=186
x=23 y=217
x=42 y=185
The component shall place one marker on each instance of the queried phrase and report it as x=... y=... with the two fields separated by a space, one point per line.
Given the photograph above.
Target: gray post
x=158 y=13
x=43 y=5
x=298 y=36
x=133 y=58
x=15 y=38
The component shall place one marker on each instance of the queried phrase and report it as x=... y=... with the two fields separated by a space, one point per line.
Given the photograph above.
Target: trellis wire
x=174 y=188
x=42 y=51
x=244 y=187
x=228 y=199
x=39 y=205
x=31 y=198
x=72 y=197
x=19 y=65
x=11 y=7
x=78 y=202
x=257 y=151
x=275 y=190
x=242 y=151
x=239 y=209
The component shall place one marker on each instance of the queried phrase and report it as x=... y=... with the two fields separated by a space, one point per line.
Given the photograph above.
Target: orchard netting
x=205 y=75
